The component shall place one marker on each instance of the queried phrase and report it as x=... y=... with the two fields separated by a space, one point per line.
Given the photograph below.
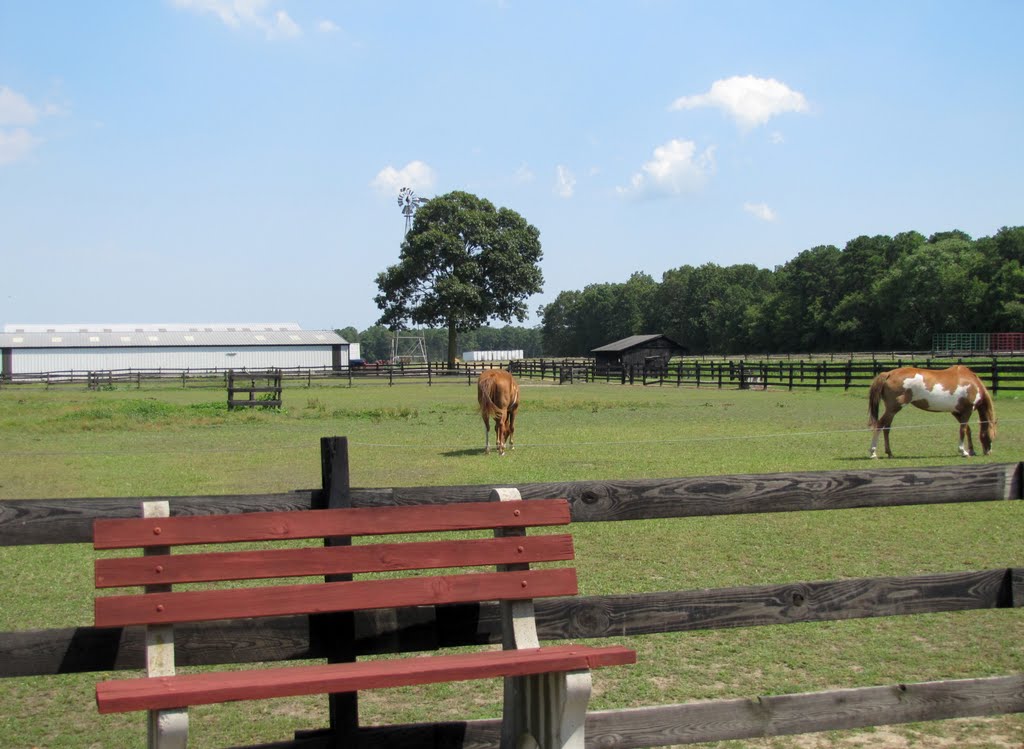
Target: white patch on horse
x=938 y=398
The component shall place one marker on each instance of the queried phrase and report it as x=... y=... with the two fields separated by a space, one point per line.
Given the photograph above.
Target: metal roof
x=632 y=342
x=176 y=338
x=159 y=327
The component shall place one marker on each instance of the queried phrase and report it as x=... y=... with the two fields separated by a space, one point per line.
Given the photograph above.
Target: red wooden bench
x=546 y=688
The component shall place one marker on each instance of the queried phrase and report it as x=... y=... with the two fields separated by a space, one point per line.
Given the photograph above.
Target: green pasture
x=169 y=440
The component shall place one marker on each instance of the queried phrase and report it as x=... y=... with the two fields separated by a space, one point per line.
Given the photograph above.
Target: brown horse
x=497 y=394
x=956 y=390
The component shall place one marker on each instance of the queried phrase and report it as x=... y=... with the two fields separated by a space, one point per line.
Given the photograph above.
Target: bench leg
x=168 y=729
x=546 y=711
x=165 y=729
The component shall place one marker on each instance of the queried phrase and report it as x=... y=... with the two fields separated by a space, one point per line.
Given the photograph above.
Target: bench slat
x=237 y=603
x=335 y=560
x=122 y=533
x=124 y=695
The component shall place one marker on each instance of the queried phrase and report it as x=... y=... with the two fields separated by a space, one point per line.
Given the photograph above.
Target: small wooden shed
x=652 y=351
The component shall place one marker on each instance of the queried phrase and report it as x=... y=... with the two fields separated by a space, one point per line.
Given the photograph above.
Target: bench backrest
x=511 y=551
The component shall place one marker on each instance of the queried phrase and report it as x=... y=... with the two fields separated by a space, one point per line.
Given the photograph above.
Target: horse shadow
x=463 y=453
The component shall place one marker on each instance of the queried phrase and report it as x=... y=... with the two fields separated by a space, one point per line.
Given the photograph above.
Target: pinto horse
x=497 y=394
x=956 y=390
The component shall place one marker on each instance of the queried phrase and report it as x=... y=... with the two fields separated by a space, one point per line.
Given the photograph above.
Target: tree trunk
x=451 y=345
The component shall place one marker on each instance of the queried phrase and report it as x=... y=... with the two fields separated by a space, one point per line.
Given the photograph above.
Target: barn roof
x=632 y=342
x=176 y=338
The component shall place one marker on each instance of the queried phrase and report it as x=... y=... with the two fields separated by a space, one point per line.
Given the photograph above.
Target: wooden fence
x=83 y=649
x=788 y=374
x=1002 y=373
x=266 y=394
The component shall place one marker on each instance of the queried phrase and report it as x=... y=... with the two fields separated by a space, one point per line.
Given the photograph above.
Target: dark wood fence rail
x=1002 y=373
x=83 y=649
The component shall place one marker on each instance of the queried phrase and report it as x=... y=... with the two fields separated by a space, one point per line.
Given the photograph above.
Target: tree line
x=876 y=293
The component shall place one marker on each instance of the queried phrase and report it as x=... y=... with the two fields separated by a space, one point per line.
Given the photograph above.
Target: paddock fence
x=84 y=649
x=1001 y=373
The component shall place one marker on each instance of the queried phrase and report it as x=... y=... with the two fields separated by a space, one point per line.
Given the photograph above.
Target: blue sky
x=239 y=161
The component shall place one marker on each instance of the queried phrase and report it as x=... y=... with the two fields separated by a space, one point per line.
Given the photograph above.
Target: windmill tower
x=408 y=202
x=410 y=348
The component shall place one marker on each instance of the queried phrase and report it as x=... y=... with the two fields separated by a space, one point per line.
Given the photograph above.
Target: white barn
x=33 y=349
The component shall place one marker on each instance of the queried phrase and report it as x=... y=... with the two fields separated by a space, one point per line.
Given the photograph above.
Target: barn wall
x=25 y=361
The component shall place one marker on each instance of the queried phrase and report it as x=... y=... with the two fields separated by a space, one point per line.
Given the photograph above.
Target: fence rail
x=83 y=649
x=1002 y=373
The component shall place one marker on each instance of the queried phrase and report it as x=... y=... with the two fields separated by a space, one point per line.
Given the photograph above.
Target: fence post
x=995 y=376
x=336 y=632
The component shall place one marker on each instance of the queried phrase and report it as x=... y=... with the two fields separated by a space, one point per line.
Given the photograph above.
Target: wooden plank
x=81 y=649
x=720 y=720
x=280 y=600
x=46 y=521
x=723 y=720
x=279 y=526
x=122 y=695
x=55 y=521
x=269 y=563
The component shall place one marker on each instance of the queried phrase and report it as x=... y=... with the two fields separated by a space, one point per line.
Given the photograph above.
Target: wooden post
x=165 y=729
x=336 y=631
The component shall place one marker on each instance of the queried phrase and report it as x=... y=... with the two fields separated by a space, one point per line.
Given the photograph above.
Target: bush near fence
x=85 y=649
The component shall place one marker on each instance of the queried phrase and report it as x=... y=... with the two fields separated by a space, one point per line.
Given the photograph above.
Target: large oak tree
x=462 y=262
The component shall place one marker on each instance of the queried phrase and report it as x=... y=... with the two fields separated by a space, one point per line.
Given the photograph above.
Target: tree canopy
x=462 y=263
x=877 y=293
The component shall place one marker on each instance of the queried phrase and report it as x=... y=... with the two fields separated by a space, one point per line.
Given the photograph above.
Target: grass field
x=175 y=441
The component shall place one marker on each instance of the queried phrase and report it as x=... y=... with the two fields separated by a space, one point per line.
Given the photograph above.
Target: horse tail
x=483 y=398
x=874 y=397
x=986 y=409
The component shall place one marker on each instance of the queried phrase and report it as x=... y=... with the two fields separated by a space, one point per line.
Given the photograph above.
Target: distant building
x=30 y=349
x=638 y=351
x=505 y=355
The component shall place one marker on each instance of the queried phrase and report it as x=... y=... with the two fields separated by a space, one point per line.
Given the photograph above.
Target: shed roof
x=633 y=342
x=151 y=339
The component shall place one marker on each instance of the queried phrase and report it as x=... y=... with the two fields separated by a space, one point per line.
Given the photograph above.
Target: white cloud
x=415 y=175
x=283 y=27
x=750 y=101
x=524 y=174
x=565 y=182
x=760 y=210
x=675 y=168
x=17 y=116
x=327 y=27
x=16 y=145
x=15 y=109
x=238 y=14
x=777 y=138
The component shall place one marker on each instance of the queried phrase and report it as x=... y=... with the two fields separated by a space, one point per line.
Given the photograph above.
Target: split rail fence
x=1002 y=373
x=85 y=649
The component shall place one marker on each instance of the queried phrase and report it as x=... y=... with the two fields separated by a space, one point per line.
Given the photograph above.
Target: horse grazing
x=497 y=393
x=956 y=390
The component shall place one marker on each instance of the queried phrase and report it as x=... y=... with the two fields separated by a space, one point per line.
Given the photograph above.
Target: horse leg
x=511 y=427
x=487 y=434
x=500 y=431
x=883 y=426
x=965 y=436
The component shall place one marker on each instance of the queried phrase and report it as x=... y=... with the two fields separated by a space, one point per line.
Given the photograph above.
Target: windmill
x=408 y=202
